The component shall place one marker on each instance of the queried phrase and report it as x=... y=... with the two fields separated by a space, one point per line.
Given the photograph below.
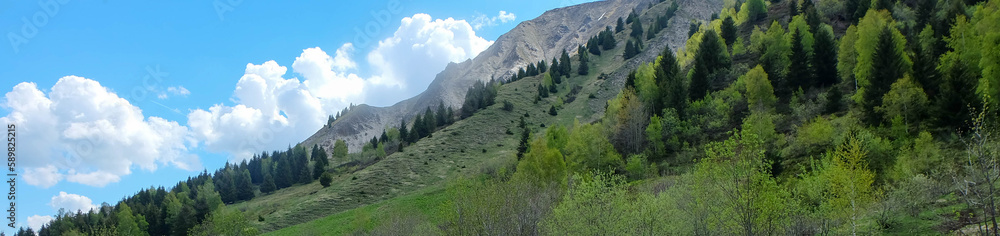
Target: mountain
x=542 y=38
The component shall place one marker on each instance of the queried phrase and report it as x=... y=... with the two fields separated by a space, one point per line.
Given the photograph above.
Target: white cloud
x=272 y=112
x=179 y=90
x=407 y=62
x=90 y=135
x=482 y=20
x=43 y=177
x=176 y=91
x=36 y=221
x=506 y=16
x=71 y=202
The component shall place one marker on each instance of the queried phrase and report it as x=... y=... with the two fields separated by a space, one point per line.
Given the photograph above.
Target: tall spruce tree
x=888 y=66
x=824 y=60
x=799 y=73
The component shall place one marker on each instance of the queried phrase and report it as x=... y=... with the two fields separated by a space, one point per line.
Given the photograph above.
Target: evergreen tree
x=268 y=185
x=556 y=69
x=693 y=28
x=320 y=161
x=244 y=188
x=824 y=60
x=593 y=47
x=441 y=115
x=620 y=26
x=583 y=69
x=404 y=134
x=636 y=30
x=522 y=147
x=607 y=40
x=757 y=10
x=670 y=82
x=799 y=73
x=729 y=30
x=429 y=122
x=888 y=66
x=566 y=64
x=711 y=56
x=630 y=50
x=127 y=222
x=793 y=7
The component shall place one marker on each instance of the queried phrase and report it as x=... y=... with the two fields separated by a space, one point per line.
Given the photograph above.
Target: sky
x=110 y=97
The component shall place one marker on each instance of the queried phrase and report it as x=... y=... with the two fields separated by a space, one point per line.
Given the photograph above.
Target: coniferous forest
x=790 y=117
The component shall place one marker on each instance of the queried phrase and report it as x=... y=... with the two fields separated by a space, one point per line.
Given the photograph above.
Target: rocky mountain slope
x=538 y=39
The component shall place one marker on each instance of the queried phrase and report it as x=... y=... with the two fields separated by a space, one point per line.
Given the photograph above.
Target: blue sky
x=163 y=90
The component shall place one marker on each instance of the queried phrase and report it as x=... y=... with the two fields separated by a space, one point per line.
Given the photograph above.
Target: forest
x=790 y=117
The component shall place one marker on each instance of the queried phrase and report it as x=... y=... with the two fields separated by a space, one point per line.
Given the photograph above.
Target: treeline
x=195 y=206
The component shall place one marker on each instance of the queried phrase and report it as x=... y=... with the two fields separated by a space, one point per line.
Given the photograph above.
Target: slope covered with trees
x=776 y=117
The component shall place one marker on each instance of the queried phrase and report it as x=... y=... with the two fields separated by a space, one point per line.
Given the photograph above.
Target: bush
x=326 y=179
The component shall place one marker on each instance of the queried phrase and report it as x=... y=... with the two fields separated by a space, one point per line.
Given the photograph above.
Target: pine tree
x=583 y=69
x=404 y=134
x=636 y=29
x=729 y=30
x=566 y=64
x=441 y=113
x=620 y=26
x=711 y=57
x=824 y=60
x=522 y=147
x=555 y=69
x=320 y=161
x=244 y=188
x=671 y=83
x=593 y=47
x=888 y=64
x=799 y=73
x=693 y=28
x=268 y=185
x=630 y=50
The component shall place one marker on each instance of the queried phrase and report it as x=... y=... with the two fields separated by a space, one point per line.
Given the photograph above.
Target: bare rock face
x=542 y=38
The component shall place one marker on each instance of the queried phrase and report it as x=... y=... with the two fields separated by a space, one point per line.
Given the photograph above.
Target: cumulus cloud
x=36 y=221
x=271 y=113
x=43 y=177
x=482 y=20
x=85 y=133
x=71 y=202
x=420 y=48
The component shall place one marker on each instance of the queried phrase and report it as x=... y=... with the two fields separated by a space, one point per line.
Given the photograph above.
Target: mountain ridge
x=529 y=42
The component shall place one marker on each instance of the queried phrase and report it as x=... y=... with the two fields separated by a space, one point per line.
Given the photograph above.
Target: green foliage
x=711 y=57
x=620 y=26
x=924 y=157
x=800 y=72
x=268 y=186
x=514 y=207
x=670 y=82
x=824 y=59
x=225 y=222
x=626 y=117
x=890 y=63
x=638 y=167
x=636 y=29
x=756 y=10
x=760 y=94
x=733 y=180
x=588 y=148
x=646 y=86
x=599 y=204
x=541 y=165
x=339 y=149
x=129 y=224
x=320 y=161
x=729 y=30
x=906 y=99
x=522 y=146
x=326 y=179
x=774 y=59
x=850 y=184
